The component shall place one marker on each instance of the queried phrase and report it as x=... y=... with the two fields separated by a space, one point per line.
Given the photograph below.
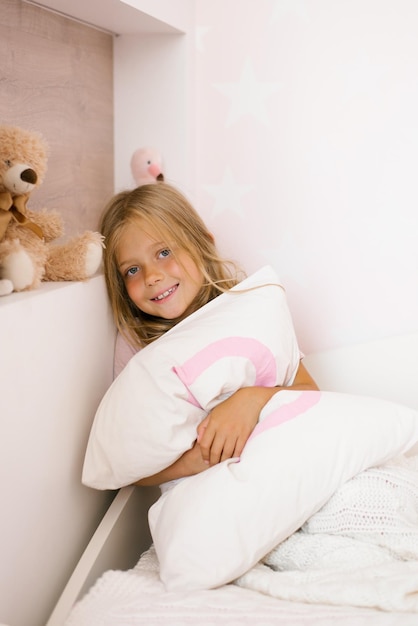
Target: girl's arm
x=191 y=462
x=224 y=432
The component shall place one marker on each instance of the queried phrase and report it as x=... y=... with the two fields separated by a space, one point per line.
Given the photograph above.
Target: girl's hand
x=224 y=432
x=192 y=461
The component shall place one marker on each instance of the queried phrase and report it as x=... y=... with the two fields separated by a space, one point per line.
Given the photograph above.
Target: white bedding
x=354 y=562
x=360 y=549
x=137 y=598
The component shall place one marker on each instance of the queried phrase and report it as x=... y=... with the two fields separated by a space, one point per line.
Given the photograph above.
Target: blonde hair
x=165 y=209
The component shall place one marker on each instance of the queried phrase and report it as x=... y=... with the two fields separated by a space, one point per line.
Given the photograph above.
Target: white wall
x=155 y=100
x=307 y=155
x=292 y=125
x=151 y=107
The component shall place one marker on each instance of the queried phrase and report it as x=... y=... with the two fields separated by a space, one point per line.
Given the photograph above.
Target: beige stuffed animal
x=27 y=254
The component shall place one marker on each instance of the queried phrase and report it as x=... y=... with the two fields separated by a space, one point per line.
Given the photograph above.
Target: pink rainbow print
x=244 y=347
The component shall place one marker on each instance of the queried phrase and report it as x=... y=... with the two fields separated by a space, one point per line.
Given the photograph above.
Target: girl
x=161 y=265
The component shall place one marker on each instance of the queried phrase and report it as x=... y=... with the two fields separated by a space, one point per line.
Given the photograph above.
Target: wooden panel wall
x=56 y=76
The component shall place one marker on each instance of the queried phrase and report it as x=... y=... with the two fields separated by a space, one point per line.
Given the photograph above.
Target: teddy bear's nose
x=29 y=176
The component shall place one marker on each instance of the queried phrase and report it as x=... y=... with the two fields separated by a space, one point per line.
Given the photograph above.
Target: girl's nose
x=152 y=275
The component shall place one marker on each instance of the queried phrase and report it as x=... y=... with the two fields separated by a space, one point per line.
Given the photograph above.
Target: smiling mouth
x=165 y=294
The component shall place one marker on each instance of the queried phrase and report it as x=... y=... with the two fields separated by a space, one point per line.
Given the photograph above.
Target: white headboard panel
x=56 y=362
x=385 y=368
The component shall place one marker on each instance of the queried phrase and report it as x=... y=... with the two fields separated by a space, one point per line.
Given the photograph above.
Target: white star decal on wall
x=247 y=96
x=227 y=194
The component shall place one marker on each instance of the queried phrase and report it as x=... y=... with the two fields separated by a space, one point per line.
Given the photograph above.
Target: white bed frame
x=384 y=368
x=117 y=543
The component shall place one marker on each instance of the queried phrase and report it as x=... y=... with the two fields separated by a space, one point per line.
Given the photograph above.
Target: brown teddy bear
x=27 y=255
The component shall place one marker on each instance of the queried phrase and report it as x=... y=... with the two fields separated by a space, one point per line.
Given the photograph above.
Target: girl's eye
x=132 y=271
x=165 y=253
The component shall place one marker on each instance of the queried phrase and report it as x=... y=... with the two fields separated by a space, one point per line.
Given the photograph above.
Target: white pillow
x=212 y=527
x=149 y=416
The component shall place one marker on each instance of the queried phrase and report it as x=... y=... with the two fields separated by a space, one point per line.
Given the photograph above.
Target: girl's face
x=158 y=282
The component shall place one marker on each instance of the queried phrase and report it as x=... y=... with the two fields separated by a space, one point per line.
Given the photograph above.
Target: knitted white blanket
x=360 y=549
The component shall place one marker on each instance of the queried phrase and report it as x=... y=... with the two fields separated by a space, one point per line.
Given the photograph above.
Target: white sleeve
x=124 y=351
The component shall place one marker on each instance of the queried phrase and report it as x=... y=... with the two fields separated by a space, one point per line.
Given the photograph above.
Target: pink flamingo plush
x=146 y=166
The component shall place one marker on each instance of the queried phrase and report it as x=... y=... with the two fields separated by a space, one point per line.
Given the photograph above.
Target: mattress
x=137 y=597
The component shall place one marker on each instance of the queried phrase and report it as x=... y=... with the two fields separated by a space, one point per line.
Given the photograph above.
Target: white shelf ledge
x=122 y=17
